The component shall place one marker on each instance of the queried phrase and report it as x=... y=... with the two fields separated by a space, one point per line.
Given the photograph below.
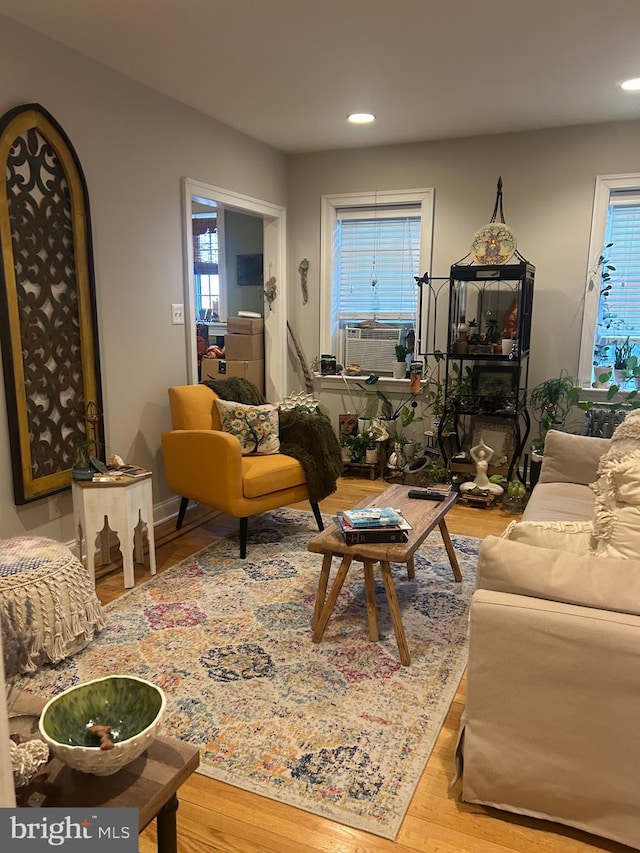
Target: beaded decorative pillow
x=255 y=427
x=573 y=536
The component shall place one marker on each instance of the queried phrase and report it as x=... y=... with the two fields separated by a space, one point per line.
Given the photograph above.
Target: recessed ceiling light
x=631 y=85
x=361 y=118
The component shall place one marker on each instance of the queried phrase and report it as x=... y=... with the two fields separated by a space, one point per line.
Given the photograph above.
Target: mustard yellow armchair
x=206 y=465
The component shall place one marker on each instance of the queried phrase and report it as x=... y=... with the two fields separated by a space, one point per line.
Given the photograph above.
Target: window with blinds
x=205 y=244
x=377 y=255
x=205 y=266
x=619 y=309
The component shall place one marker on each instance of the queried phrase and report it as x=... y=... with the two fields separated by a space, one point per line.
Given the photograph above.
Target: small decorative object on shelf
x=415 y=377
x=328 y=365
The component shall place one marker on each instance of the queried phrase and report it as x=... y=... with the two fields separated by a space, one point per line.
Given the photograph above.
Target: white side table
x=127 y=505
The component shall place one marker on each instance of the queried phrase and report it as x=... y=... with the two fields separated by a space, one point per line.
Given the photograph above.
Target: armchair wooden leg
x=244 y=528
x=317 y=514
x=184 y=503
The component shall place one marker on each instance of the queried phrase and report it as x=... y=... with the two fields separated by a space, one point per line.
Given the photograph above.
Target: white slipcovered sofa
x=550 y=727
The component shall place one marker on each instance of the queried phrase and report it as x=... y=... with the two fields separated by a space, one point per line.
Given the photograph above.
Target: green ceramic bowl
x=131 y=707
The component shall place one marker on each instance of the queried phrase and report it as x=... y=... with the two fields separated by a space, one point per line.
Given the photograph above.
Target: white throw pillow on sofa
x=616 y=525
x=572 y=536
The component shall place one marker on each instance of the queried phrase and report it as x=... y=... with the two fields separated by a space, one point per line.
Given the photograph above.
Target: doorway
x=228 y=203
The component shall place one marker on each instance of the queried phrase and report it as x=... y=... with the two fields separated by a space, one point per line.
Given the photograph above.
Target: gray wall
x=134 y=146
x=549 y=178
x=243 y=235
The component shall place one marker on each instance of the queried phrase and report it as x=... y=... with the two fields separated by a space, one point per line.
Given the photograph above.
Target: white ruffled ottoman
x=66 y=611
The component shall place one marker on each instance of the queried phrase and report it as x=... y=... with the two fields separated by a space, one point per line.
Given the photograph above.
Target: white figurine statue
x=482 y=455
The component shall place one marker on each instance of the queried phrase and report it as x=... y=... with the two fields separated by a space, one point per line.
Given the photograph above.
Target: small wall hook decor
x=270 y=288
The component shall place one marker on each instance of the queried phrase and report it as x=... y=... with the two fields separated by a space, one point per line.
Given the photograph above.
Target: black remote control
x=425 y=495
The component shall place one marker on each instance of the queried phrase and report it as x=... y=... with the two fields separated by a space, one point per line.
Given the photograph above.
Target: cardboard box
x=244 y=347
x=218 y=368
x=245 y=325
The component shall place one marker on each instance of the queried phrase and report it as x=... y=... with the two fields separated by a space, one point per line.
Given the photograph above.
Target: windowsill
x=599 y=395
x=333 y=381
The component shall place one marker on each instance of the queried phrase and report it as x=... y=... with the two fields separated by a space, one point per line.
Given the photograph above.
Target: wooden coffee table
x=423 y=517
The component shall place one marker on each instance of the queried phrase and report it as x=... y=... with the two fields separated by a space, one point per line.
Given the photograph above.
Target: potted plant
x=400 y=367
x=550 y=403
x=602 y=365
x=632 y=373
x=622 y=350
x=83 y=467
x=371 y=445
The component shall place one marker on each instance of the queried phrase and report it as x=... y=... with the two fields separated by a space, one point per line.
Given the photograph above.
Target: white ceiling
x=287 y=72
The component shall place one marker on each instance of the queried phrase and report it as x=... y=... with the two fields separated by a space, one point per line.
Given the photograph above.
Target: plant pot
x=507 y=346
x=534 y=468
x=514 y=505
x=409 y=451
x=83 y=473
x=371 y=456
x=399 y=369
x=416 y=472
x=600 y=370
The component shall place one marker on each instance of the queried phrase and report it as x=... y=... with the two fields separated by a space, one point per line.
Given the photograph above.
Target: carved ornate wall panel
x=48 y=327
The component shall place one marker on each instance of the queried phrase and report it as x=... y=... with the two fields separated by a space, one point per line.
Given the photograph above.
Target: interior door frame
x=275 y=314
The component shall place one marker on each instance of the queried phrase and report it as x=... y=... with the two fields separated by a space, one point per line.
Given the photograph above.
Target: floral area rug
x=339 y=728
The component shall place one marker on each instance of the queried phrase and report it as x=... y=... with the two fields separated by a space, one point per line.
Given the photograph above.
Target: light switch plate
x=177 y=314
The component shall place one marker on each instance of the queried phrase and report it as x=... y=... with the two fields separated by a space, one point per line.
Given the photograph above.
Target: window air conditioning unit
x=374 y=348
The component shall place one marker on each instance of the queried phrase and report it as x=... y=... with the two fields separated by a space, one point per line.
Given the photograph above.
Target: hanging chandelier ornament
x=494 y=243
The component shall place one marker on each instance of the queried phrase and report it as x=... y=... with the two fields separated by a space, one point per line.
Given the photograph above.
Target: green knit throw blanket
x=307 y=437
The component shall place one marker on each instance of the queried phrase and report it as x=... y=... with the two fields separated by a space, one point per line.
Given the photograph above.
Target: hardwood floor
x=214 y=816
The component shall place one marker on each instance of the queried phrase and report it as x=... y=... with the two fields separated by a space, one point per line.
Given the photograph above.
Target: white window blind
x=619 y=314
x=377 y=256
x=205 y=244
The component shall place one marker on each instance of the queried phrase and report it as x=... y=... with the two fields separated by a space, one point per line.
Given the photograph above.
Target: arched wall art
x=48 y=324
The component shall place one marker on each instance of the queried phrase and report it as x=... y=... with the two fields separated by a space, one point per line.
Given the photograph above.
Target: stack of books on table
x=372 y=525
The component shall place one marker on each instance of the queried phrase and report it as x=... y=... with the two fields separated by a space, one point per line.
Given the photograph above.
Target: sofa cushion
x=571 y=458
x=560 y=501
x=513 y=567
x=263 y=475
x=573 y=536
x=255 y=427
